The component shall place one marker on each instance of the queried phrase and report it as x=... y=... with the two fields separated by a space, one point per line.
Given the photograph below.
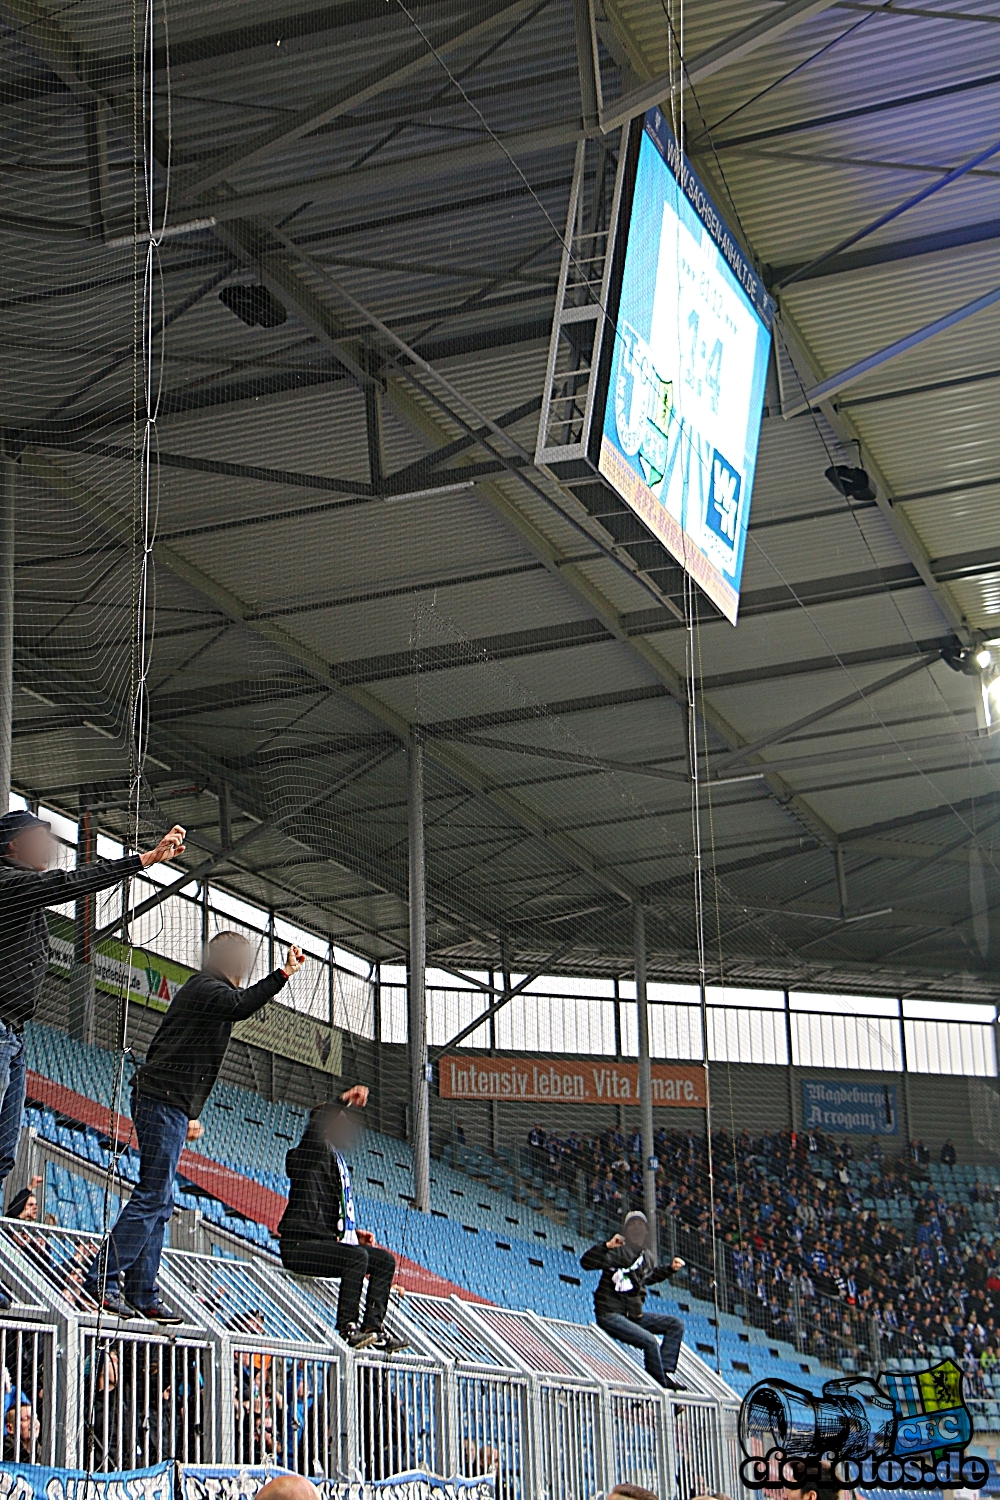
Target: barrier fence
x=257 y=1376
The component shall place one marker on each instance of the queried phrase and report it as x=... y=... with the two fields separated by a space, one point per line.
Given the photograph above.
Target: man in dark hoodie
x=169 y=1092
x=319 y=1233
x=627 y=1268
x=27 y=887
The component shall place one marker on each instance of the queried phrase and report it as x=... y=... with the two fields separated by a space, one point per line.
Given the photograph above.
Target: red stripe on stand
x=231 y=1188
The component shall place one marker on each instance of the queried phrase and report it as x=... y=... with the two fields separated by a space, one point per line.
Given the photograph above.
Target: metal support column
x=82 y=1020
x=6 y=623
x=418 y=964
x=649 y=1162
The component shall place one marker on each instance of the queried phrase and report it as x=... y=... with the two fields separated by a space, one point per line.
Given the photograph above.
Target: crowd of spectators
x=802 y=1253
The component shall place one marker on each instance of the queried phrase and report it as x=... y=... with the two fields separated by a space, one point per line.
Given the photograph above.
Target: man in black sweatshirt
x=318 y=1230
x=169 y=1092
x=27 y=887
x=627 y=1268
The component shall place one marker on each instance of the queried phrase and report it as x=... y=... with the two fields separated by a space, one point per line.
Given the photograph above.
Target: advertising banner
x=288 y=1032
x=153 y=981
x=843 y=1107
x=541 y=1080
x=31 y=1482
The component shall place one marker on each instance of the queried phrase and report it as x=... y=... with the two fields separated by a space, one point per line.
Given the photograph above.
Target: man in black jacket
x=27 y=887
x=627 y=1268
x=318 y=1231
x=168 y=1094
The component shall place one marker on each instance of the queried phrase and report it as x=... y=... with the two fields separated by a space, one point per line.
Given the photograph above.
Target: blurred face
x=636 y=1234
x=34 y=847
x=30 y=1209
x=341 y=1129
x=231 y=959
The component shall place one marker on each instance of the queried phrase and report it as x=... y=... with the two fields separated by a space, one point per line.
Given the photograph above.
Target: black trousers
x=349 y=1264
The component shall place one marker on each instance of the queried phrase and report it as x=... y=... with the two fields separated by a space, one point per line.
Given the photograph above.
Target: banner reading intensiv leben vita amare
x=537 y=1080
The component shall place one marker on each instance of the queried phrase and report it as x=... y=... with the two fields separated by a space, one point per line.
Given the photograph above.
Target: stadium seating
x=478 y=1235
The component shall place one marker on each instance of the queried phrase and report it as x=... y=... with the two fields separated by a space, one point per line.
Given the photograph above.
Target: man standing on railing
x=627 y=1268
x=169 y=1092
x=27 y=887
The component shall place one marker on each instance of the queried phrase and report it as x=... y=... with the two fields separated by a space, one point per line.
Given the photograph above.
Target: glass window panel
x=353 y=1003
x=568 y=984
x=557 y=1023
x=449 y=1010
x=953 y=1047
x=736 y=1034
x=394 y=1027
x=674 y=1032
x=845 y=1041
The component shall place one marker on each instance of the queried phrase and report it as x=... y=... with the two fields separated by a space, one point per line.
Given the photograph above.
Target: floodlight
x=852 y=483
x=983 y=658
x=253 y=305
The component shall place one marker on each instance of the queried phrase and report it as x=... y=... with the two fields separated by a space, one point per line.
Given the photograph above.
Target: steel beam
x=733 y=49
x=424 y=423
x=898 y=521
x=384 y=76
x=813 y=266
x=505 y=996
x=228 y=853
x=588 y=65
x=775 y=736
x=834 y=383
x=464 y=772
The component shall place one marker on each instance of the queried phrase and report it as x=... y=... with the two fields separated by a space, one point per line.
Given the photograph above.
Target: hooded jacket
x=625 y=1275
x=316 y=1195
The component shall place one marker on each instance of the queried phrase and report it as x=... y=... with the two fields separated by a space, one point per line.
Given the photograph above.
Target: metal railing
x=256 y=1375
x=27 y=1360
x=143 y=1400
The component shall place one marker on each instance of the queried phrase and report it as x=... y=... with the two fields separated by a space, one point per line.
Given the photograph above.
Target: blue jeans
x=13 y=1069
x=136 y=1242
x=660 y=1358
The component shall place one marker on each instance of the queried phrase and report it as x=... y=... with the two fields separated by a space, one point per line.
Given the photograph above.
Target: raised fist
x=294 y=959
x=171 y=844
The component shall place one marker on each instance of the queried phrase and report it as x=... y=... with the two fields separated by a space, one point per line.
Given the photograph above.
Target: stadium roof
x=344 y=551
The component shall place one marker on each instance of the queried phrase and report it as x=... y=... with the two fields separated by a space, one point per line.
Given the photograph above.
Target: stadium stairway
x=476 y=1240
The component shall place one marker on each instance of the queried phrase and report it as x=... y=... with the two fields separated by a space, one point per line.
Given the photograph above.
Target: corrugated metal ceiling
x=301 y=620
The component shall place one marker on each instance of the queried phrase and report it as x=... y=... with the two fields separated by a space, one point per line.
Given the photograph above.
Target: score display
x=685 y=385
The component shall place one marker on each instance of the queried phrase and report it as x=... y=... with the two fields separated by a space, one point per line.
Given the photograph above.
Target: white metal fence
x=256 y=1375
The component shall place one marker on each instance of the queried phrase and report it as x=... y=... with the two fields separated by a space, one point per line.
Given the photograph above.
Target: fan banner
x=539 y=1080
x=32 y=1482
x=847 y=1108
x=220 y=1483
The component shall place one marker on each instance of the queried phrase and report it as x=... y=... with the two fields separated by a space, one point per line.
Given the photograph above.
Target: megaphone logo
x=896 y=1431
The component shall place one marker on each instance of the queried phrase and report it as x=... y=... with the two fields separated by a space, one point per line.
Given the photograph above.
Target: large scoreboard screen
x=685 y=382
